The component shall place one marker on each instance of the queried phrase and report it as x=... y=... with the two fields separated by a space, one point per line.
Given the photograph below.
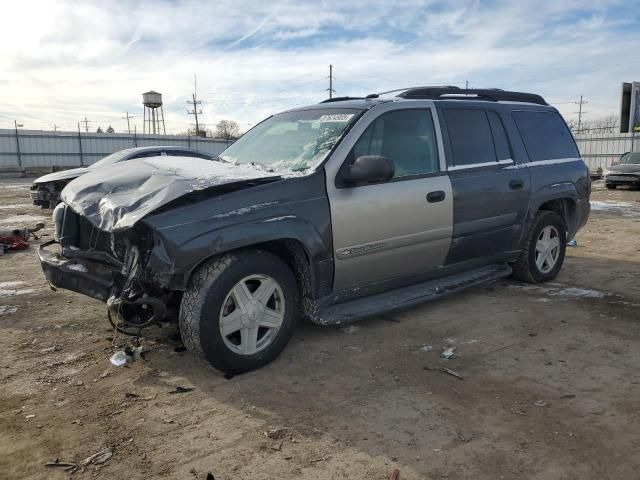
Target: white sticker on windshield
x=336 y=117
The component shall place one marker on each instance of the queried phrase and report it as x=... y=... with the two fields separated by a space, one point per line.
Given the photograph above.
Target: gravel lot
x=551 y=386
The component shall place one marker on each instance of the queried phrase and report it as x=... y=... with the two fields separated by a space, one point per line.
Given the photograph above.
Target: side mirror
x=369 y=169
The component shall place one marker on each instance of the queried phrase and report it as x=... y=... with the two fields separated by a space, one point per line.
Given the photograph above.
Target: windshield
x=110 y=159
x=293 y=141
x=630 y=158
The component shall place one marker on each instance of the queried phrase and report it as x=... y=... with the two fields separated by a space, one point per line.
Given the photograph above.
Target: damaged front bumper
x=89 y=277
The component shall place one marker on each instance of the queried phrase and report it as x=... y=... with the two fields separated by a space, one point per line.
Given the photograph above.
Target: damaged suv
x=334 y=212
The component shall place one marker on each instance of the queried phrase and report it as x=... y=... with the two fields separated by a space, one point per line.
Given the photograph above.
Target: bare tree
x=227 y=129
x=99 y=130
x=110 y=129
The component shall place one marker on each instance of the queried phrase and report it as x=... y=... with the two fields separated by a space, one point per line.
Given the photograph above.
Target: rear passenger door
x=490 y=191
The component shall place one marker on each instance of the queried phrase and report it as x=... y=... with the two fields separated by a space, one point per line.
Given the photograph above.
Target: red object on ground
x=395 y=475
x=14 y=243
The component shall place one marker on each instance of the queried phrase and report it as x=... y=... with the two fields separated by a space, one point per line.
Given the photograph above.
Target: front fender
x=174 y=267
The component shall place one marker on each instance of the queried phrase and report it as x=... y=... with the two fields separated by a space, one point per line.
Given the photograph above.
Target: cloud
x=63 y=60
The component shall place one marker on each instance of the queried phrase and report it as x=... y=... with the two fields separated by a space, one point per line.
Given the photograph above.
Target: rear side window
x=470 y=135
x=545 y=135
x=186 y=153
x=154 y=153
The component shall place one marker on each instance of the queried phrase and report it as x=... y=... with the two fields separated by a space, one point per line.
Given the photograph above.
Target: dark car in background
x=625 y=172
x=45 y=191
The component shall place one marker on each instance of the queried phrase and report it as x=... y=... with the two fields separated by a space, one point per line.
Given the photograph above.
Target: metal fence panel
x=70 y=149
x=600 y=149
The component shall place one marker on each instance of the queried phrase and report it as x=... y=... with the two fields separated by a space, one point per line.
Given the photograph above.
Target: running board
x=410 y=296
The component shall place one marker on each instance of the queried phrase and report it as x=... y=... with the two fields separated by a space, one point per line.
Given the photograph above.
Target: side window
x=500 y=141
x=470 y=135
x=146 y=155
x=407 y=137
x=545 y=135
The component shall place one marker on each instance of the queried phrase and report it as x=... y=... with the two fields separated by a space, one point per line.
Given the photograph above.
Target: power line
x=86 y=124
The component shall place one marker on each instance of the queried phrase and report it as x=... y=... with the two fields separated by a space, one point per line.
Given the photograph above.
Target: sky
x=62 y=61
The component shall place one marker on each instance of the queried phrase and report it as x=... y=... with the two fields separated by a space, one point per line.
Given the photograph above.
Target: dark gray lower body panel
x=410 y=296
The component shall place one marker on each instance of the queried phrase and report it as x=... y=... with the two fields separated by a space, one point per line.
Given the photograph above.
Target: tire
x=209 y=303
x=525 y=268
x=610 y=186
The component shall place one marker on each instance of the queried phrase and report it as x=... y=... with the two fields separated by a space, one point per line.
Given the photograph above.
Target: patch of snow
x=626 y=209
x=559 y=290
x=15 y=283
x=16 y=206
x=22 y=219
x=244 y=210
x=7 y=309
x=11 y=293
x=77 y=267
x=278 y=219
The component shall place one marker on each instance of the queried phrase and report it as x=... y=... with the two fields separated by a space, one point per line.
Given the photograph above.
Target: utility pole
x=331 y=90
x=86 y=124
x=127 y=116
x=466 y=87
x=580 y=112
x=195 y=111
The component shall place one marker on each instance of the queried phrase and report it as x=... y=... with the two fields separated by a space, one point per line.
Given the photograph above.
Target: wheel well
x=566 y=208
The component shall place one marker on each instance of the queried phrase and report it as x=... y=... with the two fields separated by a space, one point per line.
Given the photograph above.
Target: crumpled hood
x=114 y=198
x=624 y=168
x=62 y=175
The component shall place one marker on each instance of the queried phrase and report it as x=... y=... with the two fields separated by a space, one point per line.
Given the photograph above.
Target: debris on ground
x=395 y=474
x=126 y=356
x=98 y=458
x=567 y=396
x=180 y=389
x=540 y=403
x=321 y=459
x=572 y=243
x=276 y=446
x=445 y=370
x=426 y=347
x=448 y=352
x=70 y=466
x=276 y=433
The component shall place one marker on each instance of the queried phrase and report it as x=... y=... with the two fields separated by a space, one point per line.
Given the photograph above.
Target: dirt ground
x=551 y=386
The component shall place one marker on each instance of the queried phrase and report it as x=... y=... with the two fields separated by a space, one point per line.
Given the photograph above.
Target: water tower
x=153 y=113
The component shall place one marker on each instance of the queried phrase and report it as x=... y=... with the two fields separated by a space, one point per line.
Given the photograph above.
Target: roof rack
x=341 y=99
x=451 y=92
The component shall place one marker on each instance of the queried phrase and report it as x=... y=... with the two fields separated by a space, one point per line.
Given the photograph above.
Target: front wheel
x=544 y=249
x=239 y=310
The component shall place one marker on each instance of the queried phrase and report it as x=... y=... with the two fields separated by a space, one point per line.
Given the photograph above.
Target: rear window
x=545 y=135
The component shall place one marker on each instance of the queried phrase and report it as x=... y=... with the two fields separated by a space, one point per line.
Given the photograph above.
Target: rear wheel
x=544 y=249
x=239 y=310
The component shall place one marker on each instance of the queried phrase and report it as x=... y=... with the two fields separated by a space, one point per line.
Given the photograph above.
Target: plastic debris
x=120 y=359
x=448 y=352
x=395 y=474
x=126 y=356
x=572 y=243
x=540 y=403
x=426 y=347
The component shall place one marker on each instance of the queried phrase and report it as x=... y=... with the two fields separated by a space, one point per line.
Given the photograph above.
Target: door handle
x=516 y=184
x=437 y=196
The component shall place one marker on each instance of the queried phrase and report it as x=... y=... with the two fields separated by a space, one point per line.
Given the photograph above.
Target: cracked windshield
x=293 y=141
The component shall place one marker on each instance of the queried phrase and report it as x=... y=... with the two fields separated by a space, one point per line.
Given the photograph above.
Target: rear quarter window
x=545 y=135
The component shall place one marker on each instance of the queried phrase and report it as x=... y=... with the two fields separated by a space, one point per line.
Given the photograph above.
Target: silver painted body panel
x=388 y=230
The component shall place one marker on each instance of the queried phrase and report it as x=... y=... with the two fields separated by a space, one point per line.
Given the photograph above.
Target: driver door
x=401 y=227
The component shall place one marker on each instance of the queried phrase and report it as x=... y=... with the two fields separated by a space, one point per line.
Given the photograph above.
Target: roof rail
x=491 y=94
x=341 y=99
